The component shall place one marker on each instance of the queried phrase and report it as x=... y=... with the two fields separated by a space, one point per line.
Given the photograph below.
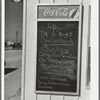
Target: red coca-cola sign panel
x=58 y=11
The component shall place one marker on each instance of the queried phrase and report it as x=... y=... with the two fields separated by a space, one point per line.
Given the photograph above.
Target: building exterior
x=32 y=23
x=30 y=62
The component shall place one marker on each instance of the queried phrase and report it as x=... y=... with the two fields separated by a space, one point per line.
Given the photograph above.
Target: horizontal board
x=43 y=97
x=61 y=1
x=56 y=97
x=45 y=1
x=70 y=98
x=74 y=1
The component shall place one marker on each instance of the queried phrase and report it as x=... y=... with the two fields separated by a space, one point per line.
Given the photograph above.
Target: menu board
x=57 y=56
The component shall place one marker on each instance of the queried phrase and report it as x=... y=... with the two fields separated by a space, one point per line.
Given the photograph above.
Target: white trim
x=95 y=50
x=24 y=50
x=2 y=46
x=57 y=93
x=58 y=20
x=59 y=4
x=35 y=51
x=79 y=52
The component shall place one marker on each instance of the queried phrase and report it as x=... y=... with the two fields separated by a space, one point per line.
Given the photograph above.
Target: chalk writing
x=57 y=41
x=57 y=54
x=54 y=49
x=51 y=78
x=42 y=54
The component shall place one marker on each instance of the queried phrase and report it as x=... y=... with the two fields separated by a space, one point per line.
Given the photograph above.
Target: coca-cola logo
x=58 y=12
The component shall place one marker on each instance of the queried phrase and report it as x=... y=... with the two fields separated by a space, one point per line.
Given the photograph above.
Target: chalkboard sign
x=57 y=56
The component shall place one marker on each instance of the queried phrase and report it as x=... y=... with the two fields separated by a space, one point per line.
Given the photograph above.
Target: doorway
x=13 y=49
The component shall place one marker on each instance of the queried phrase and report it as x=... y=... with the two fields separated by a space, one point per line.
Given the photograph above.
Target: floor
x=13 y=59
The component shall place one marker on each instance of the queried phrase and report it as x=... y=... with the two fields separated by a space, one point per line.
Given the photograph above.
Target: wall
x=30 y=52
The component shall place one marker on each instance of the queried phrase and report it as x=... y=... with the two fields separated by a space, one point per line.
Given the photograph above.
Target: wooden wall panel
x=29 y=26
x=43 y=97
x=29 y=91
x=61 y=1
x=74 y=1
x=56 y=97
x=45 y=1
x=70 y=98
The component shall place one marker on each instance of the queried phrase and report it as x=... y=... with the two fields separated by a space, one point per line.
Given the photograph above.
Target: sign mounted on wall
x=58 y=11
x=58 y=49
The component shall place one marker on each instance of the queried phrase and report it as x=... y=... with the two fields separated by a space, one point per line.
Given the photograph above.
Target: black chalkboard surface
x=57 y=56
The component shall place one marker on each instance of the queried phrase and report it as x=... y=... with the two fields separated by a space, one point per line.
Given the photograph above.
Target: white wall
x=30 y=52
x=95 y=51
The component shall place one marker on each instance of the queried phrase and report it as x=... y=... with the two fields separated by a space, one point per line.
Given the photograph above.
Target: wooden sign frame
x=79 y=20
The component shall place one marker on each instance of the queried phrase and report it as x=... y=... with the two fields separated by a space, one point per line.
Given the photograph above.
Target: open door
x=13 y=49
